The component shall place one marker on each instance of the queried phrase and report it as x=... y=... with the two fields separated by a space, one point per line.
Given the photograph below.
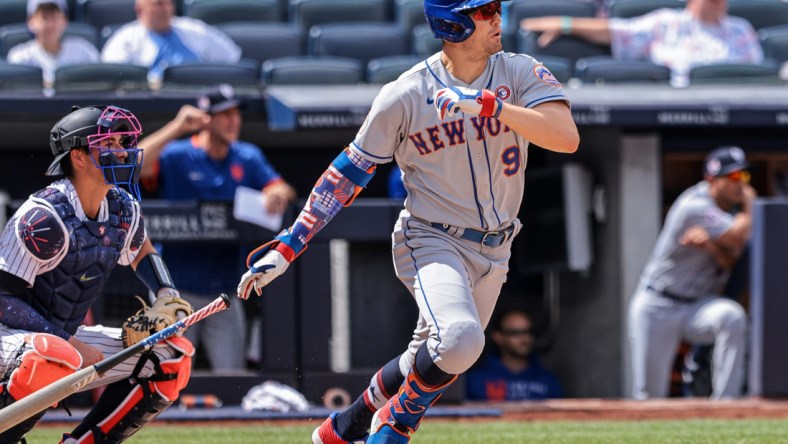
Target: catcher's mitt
x=165 y=311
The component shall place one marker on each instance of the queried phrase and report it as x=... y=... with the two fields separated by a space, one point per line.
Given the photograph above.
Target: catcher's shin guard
x=123 y=409
x=43 y=360
x=128 y=405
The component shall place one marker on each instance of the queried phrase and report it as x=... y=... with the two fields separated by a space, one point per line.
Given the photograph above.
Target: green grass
x=756 y=431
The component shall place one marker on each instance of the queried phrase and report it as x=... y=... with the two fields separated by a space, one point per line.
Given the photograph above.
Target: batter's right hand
x=261 y=273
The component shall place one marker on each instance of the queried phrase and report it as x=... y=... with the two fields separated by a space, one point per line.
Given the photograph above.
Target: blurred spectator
x=210 y=165
x=158 y=39
x=700 y=34
x=47 y=21
x=514 y=373
x=680 y=292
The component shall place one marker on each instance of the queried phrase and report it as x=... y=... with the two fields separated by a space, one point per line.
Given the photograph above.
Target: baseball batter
x=458 y=125
x=679 y=293
x=56 y=254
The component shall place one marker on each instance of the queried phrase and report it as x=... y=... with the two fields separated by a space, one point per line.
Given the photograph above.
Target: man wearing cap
x=210 y=165
x=47 y=21
x=679 y=294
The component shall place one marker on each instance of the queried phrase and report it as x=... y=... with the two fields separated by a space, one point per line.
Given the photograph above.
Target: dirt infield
x=613 y=409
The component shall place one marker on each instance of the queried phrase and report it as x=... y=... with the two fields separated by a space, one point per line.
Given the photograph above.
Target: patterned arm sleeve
x=339 y=185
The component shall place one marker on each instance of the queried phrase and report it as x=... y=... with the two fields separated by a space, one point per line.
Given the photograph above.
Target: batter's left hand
x=261 y=273
x=450 y=101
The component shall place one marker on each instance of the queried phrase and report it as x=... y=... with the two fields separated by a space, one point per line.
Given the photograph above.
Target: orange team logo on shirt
x=495 y=390
x=545 y=75
x=237 y=171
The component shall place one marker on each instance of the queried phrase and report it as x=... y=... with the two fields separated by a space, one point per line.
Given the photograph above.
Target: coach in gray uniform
x=678 y=297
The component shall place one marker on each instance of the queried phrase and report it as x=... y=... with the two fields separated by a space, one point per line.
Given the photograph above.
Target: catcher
x=57 y=252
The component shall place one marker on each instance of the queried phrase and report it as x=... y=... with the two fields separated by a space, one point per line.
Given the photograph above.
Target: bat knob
x=226 y=299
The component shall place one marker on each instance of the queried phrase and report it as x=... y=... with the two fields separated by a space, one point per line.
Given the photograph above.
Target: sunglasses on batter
x=485 y=12
x=739 y=176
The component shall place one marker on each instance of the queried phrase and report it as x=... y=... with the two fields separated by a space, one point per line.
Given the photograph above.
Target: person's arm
x=339 y=185
x=188 y=120
x=594 y=30
x=698 y=237
x=735 y=238
x=16 y=313
x=549 y=125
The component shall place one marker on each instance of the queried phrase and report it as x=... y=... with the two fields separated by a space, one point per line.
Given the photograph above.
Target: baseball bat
x=58 y=390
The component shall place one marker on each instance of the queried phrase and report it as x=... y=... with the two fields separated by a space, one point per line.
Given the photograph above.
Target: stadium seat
x=101 y=77
x=760 y=13
x=738 y=73
x=20 y=77
x=12 y=35
x=244 y=75
x=362 y=41
x=263 y=41
x=13 y=12
x=568 y=47
x=214 y=12
x=562 y=68
x=775 y=43
x=635 y=8
x=308 y=70
x=423 y=42
x=307 y=13
x=386 y=69
x=100 y=13
x=409 y=13
x=72 y=10
x=603 y=69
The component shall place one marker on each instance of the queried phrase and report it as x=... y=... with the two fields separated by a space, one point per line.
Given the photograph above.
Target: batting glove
x=268 y=262
x=450 y=101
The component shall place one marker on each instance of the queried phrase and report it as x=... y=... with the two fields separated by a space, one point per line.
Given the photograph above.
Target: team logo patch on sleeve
x=545 y=75
x=503 y=92
x=41 y=233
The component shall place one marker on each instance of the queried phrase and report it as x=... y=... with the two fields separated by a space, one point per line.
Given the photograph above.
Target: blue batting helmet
x=447 y=18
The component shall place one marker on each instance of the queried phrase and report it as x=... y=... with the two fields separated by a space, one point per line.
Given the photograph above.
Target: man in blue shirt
x=210 y=165
x=515 y=373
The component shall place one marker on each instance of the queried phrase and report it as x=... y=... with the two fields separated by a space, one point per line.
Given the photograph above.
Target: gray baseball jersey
x=698 y=274
x=657 y=321
x=465 y=171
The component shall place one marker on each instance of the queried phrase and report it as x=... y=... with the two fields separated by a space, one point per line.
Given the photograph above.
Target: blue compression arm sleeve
x=16 y=313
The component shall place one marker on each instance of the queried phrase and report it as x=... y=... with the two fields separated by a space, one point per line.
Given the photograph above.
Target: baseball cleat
x=385 y=431
x=326 y=433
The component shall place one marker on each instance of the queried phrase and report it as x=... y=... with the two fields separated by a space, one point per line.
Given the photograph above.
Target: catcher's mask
x=93 y=127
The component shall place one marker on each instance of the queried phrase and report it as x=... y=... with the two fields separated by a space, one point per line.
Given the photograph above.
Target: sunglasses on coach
x=485 y=12
x=739 y=176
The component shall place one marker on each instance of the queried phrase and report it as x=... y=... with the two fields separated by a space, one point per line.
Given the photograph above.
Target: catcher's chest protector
x=64 y=294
